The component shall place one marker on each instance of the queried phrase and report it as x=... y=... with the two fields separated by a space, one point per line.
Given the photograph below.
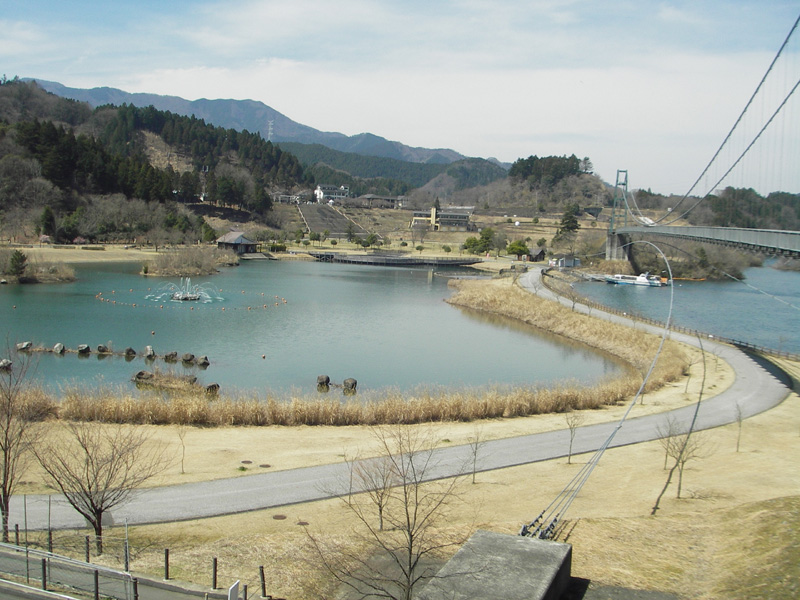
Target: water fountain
x=185 y=292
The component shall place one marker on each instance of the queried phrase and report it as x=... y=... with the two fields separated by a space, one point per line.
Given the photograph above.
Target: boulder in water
x=349 y=386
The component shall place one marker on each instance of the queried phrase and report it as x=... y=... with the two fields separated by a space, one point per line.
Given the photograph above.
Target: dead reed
x=190 y=407
x=633 y=346
x=189 y=261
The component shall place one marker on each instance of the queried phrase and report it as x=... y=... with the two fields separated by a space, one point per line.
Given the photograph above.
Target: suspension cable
x=738 y=120
x=546 y=525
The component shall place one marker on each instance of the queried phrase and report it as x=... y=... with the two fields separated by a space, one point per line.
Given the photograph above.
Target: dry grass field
x=732 y=534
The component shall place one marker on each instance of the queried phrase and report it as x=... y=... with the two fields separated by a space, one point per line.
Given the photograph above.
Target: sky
x=649 y=87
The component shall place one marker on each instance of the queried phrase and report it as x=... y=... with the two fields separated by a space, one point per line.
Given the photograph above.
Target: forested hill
x=80 y=167
x=258 y=117
x=396 y=177
x=734 y=207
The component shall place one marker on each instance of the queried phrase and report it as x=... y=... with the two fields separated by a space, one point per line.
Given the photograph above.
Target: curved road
x=755 y=390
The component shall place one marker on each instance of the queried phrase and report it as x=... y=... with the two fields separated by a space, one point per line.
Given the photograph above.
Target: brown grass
x=189 y=261
x=633 y=346
x=188 y=407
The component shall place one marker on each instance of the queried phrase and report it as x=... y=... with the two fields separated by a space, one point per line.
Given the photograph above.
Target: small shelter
x=236 y=241
x=539 y=256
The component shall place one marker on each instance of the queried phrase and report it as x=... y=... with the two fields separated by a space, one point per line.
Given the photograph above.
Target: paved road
x=755 y=389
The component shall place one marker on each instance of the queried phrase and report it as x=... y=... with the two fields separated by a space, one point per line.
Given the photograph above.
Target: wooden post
x=135 y=589
x=263 y=581
x=50 y=541
x=244 y=592
x=166 y=564
x=87 y=549
x=96 y=584
x=16 y=534
x=44 y=574
x=214 y=573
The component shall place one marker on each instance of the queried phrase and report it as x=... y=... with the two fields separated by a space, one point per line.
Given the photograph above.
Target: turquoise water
x=385 y=327
x=764 y=310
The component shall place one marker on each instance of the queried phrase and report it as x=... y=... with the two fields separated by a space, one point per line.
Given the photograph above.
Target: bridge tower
x=616 y=248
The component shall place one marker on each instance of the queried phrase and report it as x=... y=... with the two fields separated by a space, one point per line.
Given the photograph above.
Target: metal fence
x=747 y=346
x=49 y=570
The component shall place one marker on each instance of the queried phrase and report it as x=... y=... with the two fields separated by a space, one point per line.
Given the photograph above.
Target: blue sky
x=651 y=87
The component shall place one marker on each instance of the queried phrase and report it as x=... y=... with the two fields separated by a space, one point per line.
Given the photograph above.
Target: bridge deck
x=769 y=241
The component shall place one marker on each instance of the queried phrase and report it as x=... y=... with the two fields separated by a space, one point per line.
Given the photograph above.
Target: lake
x=764 y=309
x=277 y=325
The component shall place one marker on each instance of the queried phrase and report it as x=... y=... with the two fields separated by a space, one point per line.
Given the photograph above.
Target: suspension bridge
x=761 y=151
x=739 y=152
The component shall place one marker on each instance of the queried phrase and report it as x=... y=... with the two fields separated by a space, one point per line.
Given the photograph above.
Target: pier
x=394 y=260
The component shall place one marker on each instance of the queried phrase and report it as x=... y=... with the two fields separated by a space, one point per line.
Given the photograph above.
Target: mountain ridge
x=255 y=116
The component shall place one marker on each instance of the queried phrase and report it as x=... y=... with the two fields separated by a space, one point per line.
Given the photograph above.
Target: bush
x=16 y=264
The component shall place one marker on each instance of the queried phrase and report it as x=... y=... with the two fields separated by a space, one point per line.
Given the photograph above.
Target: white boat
x=643 y=279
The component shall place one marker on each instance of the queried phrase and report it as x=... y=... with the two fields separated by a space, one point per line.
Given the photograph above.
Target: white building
x=324 y=193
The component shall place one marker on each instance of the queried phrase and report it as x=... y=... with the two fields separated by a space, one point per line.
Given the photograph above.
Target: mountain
x=256 y=117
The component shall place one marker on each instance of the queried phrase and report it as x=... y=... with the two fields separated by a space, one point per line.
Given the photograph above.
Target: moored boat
x=644 y=279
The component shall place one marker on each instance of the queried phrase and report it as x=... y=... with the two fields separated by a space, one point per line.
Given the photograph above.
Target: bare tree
x=21 y=408
x=182 y=431
x=476 y=444
x=375 y=478
x=684 y=447
x=99 y=467
x=574 y=420
x=392 y=562
x=739 y=421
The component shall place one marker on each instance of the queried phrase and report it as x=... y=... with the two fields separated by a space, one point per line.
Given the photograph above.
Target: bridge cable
x=738 y=160
x=736 y=124
x=547 y=524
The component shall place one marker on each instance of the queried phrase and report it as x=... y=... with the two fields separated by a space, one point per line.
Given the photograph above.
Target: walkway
x=769 y=241
x=755 y=389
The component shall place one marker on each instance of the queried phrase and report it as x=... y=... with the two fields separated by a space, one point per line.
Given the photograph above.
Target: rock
x=149 y=352
x=171 y=357
x=212 y=389
x=349 y=387
x=59 y=348
x=84 y=349
x=188 y=358
x=5 y=364
x=102 y=349
x=24 y=346
x=203 y=361
x=323 y=383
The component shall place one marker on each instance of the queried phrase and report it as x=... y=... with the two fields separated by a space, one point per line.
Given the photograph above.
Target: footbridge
x=766 y=241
